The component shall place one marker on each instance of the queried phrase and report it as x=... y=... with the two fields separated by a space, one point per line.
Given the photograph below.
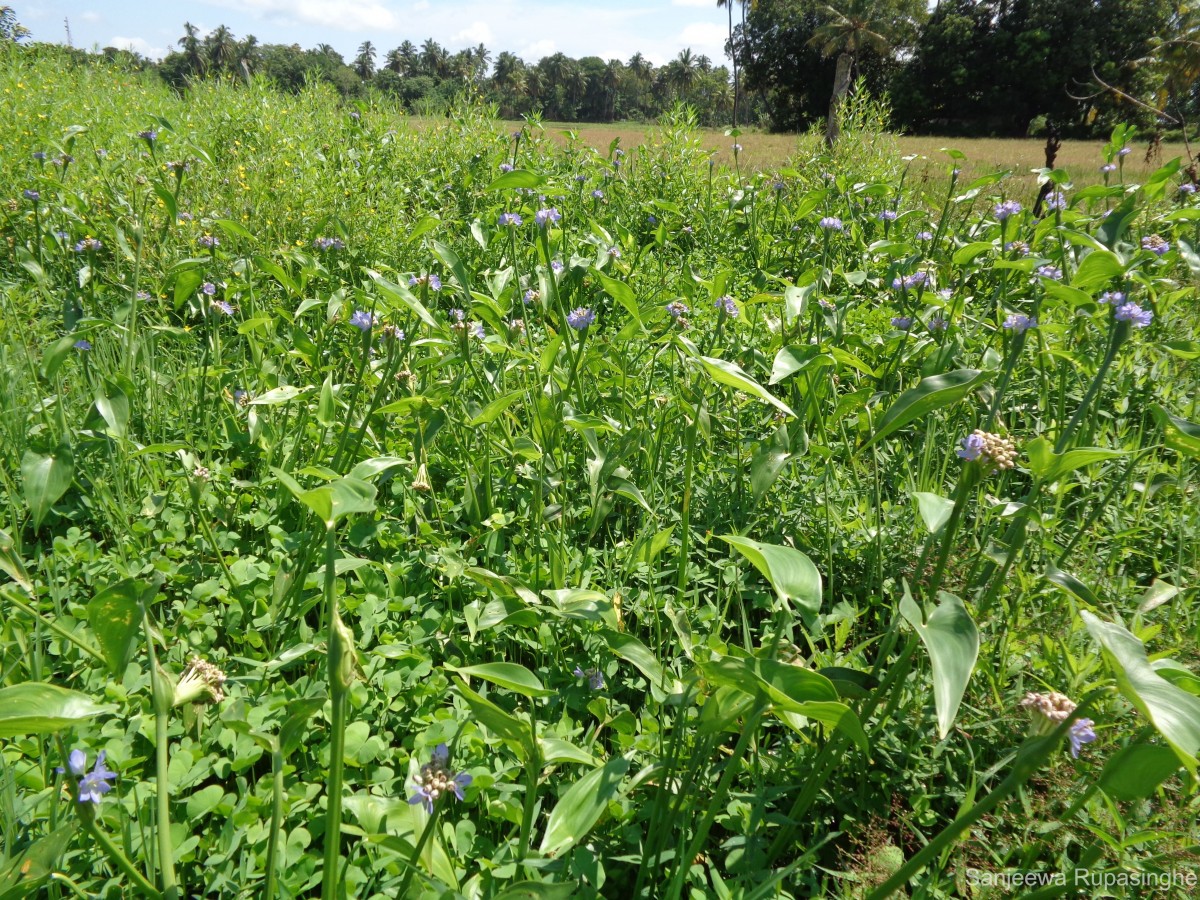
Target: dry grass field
x=930 y=167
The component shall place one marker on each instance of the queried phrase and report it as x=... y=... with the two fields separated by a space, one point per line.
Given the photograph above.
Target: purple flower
x=1131 y=312
x=924 y=235
x=506 y=167
x=1018 y=247
x=831 y=223
x=88 y=244
x=1019 y=323
x=149 y=136
x=1081 y=733
x=1051 y=272
x=432 y=281
x=1155 y=244
x=457 y=315
x=594 y=676
x=677 y=308
x=938 y=323
x=435 y=780
x=328 y=243
x=39 y=154
x=1108 y=167
x=61 y=235
x=1187 y=188
x=1124 y=151
x=970 y=447
x=903 y=323
x=363 y=320
x=580 y=318
x=531 y=296
x=1056 y=200
x=887 y=215
x=556 y=265
x=83 y=344
x=476 y=329
x=224 y=306
x=728 y=304
x=544 y=216
x=93 y=785
x=1005 y=209
x=208 y=288
x=185 y=217
x=597 y=194
x=509 y=220
x=1114 y=297
x=208 y=241
x=614 y=252
x=31 y=194
x=916 y=279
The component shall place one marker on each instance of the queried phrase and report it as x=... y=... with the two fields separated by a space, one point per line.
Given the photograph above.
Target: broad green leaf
x=1050 y=466
x=1097 y=269
x=935 y=510
x=795 y=300
x=950 y=636
x=967 y=254
x=292 y=731
x=935 y=392
x=332 y=501
x=278 y=395
x=512 y=676
x=504 y=725
x=622 y=293
x=34 y=707
x=518 y=178
x=1181 y=435
x=1117 y=222
x=113 y=405
x=556 y=750
x=790 y=572
x=12 y=564
x=46 y=477
x=790 y=360
x=234 y=229
x=327 y=405
x=1134 y=772
x=580 y=807
x=406 y=298
x=115 y=615
x=1157 y=594
x=732 y=375
x=22 y=874
x=765 y=466
x=1172 y=710
x=634 y=651
x=56 y=354
x=1071 y=584
x=376 y=466
x=493 y=410
x=454 y=264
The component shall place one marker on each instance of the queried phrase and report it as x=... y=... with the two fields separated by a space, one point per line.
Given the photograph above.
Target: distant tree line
x=972 y=67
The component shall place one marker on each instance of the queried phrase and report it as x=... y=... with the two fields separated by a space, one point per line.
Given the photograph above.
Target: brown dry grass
x=762 y=151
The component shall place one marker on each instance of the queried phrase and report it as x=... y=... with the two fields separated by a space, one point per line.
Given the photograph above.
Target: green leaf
x=115 y=615
x=278 y=395
x=795 y=301
x=46 y=477
x=539 y=890
x=1097 y=269
x=56 y=354
x=24 y=873
x=406 y=297
x=454 y=264
x=507 y=675
x=504 y=725
x=1172 y=710
x=332 y=501
x=292 y=731
x=1134 y=772
x=13 y=565
x=732 y=375
x=950 y=636
x=790 y=572
x=492 y=411
x=932 y=393
x=234 y=229
x=1180 y=435
x=580 y=807
x=34 y=707
x=1071 y=584
x=765 y=467
x=327 y=405
x=113 y=405
x=1117 y=222
x=621 y=292
x=518 y=178
x=634 y=651
x=935 y=510
x=1050 y=466
x=790 y=360
x=967 y=254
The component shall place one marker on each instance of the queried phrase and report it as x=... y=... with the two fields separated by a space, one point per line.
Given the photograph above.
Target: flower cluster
x=93 y=785
x=1134 y=314
x=728 y=304
x=430 y=280
x=888 y=215
x=364 y=321
x=832 y=223
x=208 y=241
x=506 y=167
x=1155 y=244
x=435 y=780
x=594 y=676
x=545 y=216
x=988 y=449
x=509 y=220
x=907 y=282
x=1051 y=710
x=1056 y=200
x=1116 y=298
x=201 y=682
x=1005 y=209
x=1053 y=273
x=581 y=318
x=531 y=296
x=88 y=244
x=903 y=323
x=328 y=243
x=1019 y=323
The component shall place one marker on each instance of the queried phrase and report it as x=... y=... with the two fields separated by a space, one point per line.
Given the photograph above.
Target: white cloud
x=705 y=37
x=475 y=33
x=346 y=15
x=421 y=5
x=137 y=45
x=91 y=17
x=535 y=51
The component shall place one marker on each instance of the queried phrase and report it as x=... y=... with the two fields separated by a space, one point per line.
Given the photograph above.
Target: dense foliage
x=424 y=511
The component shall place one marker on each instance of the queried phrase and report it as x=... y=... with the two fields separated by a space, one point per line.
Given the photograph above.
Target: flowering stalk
x=163 y=697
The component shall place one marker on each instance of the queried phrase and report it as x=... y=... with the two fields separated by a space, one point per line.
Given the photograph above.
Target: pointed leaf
x=34 y=707
x=506 y=675
x=115 y=615
x=789 y=571
x=1181 y=435
x=580 y=807
x=732 y=375
x=47 y=477
x=952 y=640
x=935 y=510
x=932 y=393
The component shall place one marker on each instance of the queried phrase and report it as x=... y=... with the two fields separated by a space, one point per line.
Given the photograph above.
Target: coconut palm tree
x=190 y=42
x=858 y=25
x=364 y=63
x=221 y=48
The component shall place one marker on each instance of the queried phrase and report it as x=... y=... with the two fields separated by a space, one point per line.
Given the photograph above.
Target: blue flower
x=1056 y=200
x=509 y=220
x=208 y=288
x=594 y=677
x=903 y=323
x=1018 y=323
x=581 y=318
x=149 y=136
x=556 y=265
x=970 y=447
x=544 y=216
x=831 y=223
x=435 y=780
x=1155 y=244
x=1081 y=733
x=432 y=281
x=1131 y=312
x=94 y=784
x=506 y=167
x=888 y=215
x=1051 y=272
x=924 y=235
x=1005 y=209
x=363 y=320
x=83 y=344
x=677 y=308
x=31 y=194
x=728 y=304
x=597 y=194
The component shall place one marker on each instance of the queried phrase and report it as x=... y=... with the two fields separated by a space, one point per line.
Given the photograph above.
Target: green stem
x=162 y=695
x=276 y=820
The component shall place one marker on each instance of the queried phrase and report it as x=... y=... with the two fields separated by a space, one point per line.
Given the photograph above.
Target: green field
x=403 y=508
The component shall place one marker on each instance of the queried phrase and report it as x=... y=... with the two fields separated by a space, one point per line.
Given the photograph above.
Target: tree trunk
x=841 y=87
x=733 y=59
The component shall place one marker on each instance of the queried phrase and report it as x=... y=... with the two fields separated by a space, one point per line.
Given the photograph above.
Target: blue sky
x=530 y=28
